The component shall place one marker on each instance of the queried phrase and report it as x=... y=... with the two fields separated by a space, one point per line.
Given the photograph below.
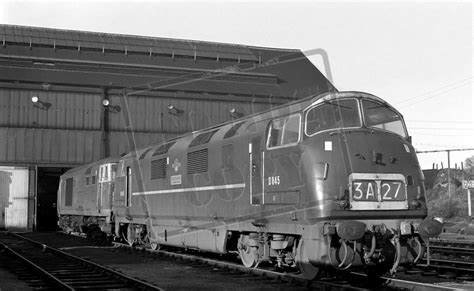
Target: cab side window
x=284 y=131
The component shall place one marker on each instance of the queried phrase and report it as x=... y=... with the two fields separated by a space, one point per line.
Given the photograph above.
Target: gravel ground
x=167 y=273
x=175 y=274
x=8 y=281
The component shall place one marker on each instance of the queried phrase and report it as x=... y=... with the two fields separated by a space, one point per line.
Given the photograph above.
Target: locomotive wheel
x=307 y=269
x=248 y=254
x=155 y=246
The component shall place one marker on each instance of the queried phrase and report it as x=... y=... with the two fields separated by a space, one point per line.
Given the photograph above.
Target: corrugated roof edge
x=148 y=37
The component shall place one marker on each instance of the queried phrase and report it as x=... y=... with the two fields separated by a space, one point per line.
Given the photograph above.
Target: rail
x=65 y=271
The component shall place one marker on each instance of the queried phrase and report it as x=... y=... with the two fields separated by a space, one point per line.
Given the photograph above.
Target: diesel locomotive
x=327 y=181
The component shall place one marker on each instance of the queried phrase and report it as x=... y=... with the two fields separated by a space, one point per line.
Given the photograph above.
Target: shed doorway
x=47 y=195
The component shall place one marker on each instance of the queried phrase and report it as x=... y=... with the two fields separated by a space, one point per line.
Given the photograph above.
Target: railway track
x=328 y=281
x=199 y=268
x=44 y=267
x=449 y=259
x=281 y=280
x=335 y=280
x=288 y=280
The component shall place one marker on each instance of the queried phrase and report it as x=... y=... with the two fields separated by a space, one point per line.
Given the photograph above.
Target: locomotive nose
x=372 y=150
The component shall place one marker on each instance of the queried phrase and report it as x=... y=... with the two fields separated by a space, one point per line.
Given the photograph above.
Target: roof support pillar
x=105 y=129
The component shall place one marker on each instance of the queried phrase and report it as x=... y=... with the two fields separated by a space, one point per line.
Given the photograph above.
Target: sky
x=415 y=55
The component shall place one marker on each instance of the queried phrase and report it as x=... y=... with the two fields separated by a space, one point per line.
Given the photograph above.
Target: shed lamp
x=173 y=110
x=235 y=114
x=109 y=107
x=40 y=104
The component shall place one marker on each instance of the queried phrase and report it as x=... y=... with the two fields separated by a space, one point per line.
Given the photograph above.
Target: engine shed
x=72 y=97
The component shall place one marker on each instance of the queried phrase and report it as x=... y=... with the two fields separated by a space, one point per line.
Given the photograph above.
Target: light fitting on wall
x=235 y=114
x=111 y=108
x=173 y=110
x=40 y=104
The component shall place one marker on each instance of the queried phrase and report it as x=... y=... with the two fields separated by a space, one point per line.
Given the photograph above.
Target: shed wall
x=71 y=130
x=69 y=110
x=84 y=111
x=53 y=146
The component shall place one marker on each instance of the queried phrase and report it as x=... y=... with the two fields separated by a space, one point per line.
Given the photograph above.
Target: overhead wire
x=439 y=121
x=425 y=131
x=438 y=134
x=441 y=128
x=432 y=96
x=434 y=90
x=435 y=145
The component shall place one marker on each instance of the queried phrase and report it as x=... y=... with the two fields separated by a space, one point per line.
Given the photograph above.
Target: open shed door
x=14 y=198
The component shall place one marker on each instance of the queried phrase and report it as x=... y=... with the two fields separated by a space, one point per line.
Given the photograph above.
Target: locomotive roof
x=96 y=163
x=294 y=106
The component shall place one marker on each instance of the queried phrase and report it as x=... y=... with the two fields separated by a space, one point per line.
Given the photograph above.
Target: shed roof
x=132 y=43
x=33 y=55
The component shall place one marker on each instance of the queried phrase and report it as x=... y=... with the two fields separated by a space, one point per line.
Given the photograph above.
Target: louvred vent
x=198 y=162
x=158 y=169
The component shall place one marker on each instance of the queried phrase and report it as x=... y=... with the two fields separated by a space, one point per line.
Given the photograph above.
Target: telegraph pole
x=449 y=162
x=449 y=175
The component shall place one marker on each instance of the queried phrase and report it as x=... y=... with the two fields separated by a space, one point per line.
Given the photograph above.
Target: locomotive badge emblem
x=176 y=164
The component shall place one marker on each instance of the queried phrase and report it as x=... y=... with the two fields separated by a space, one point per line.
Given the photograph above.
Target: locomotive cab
x=85 y=197
x=362 y=167
x=339 y=185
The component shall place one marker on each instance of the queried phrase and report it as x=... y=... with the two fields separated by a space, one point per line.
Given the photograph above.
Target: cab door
x=128 y=188
x=281 y=173
x=104 y=186
x=256 y=170
x=100 y=186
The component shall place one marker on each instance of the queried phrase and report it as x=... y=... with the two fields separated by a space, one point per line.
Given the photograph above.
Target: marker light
x=34 y=99
x=407 y=149
x=405 y=228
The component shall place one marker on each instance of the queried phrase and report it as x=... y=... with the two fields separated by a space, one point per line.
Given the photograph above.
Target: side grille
x=197 y=162
x=163 y=149
x=158 y=169
x=233 y=130
x=142 y=156
x=69 y=187
x=227 y=154
x=202 y=138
